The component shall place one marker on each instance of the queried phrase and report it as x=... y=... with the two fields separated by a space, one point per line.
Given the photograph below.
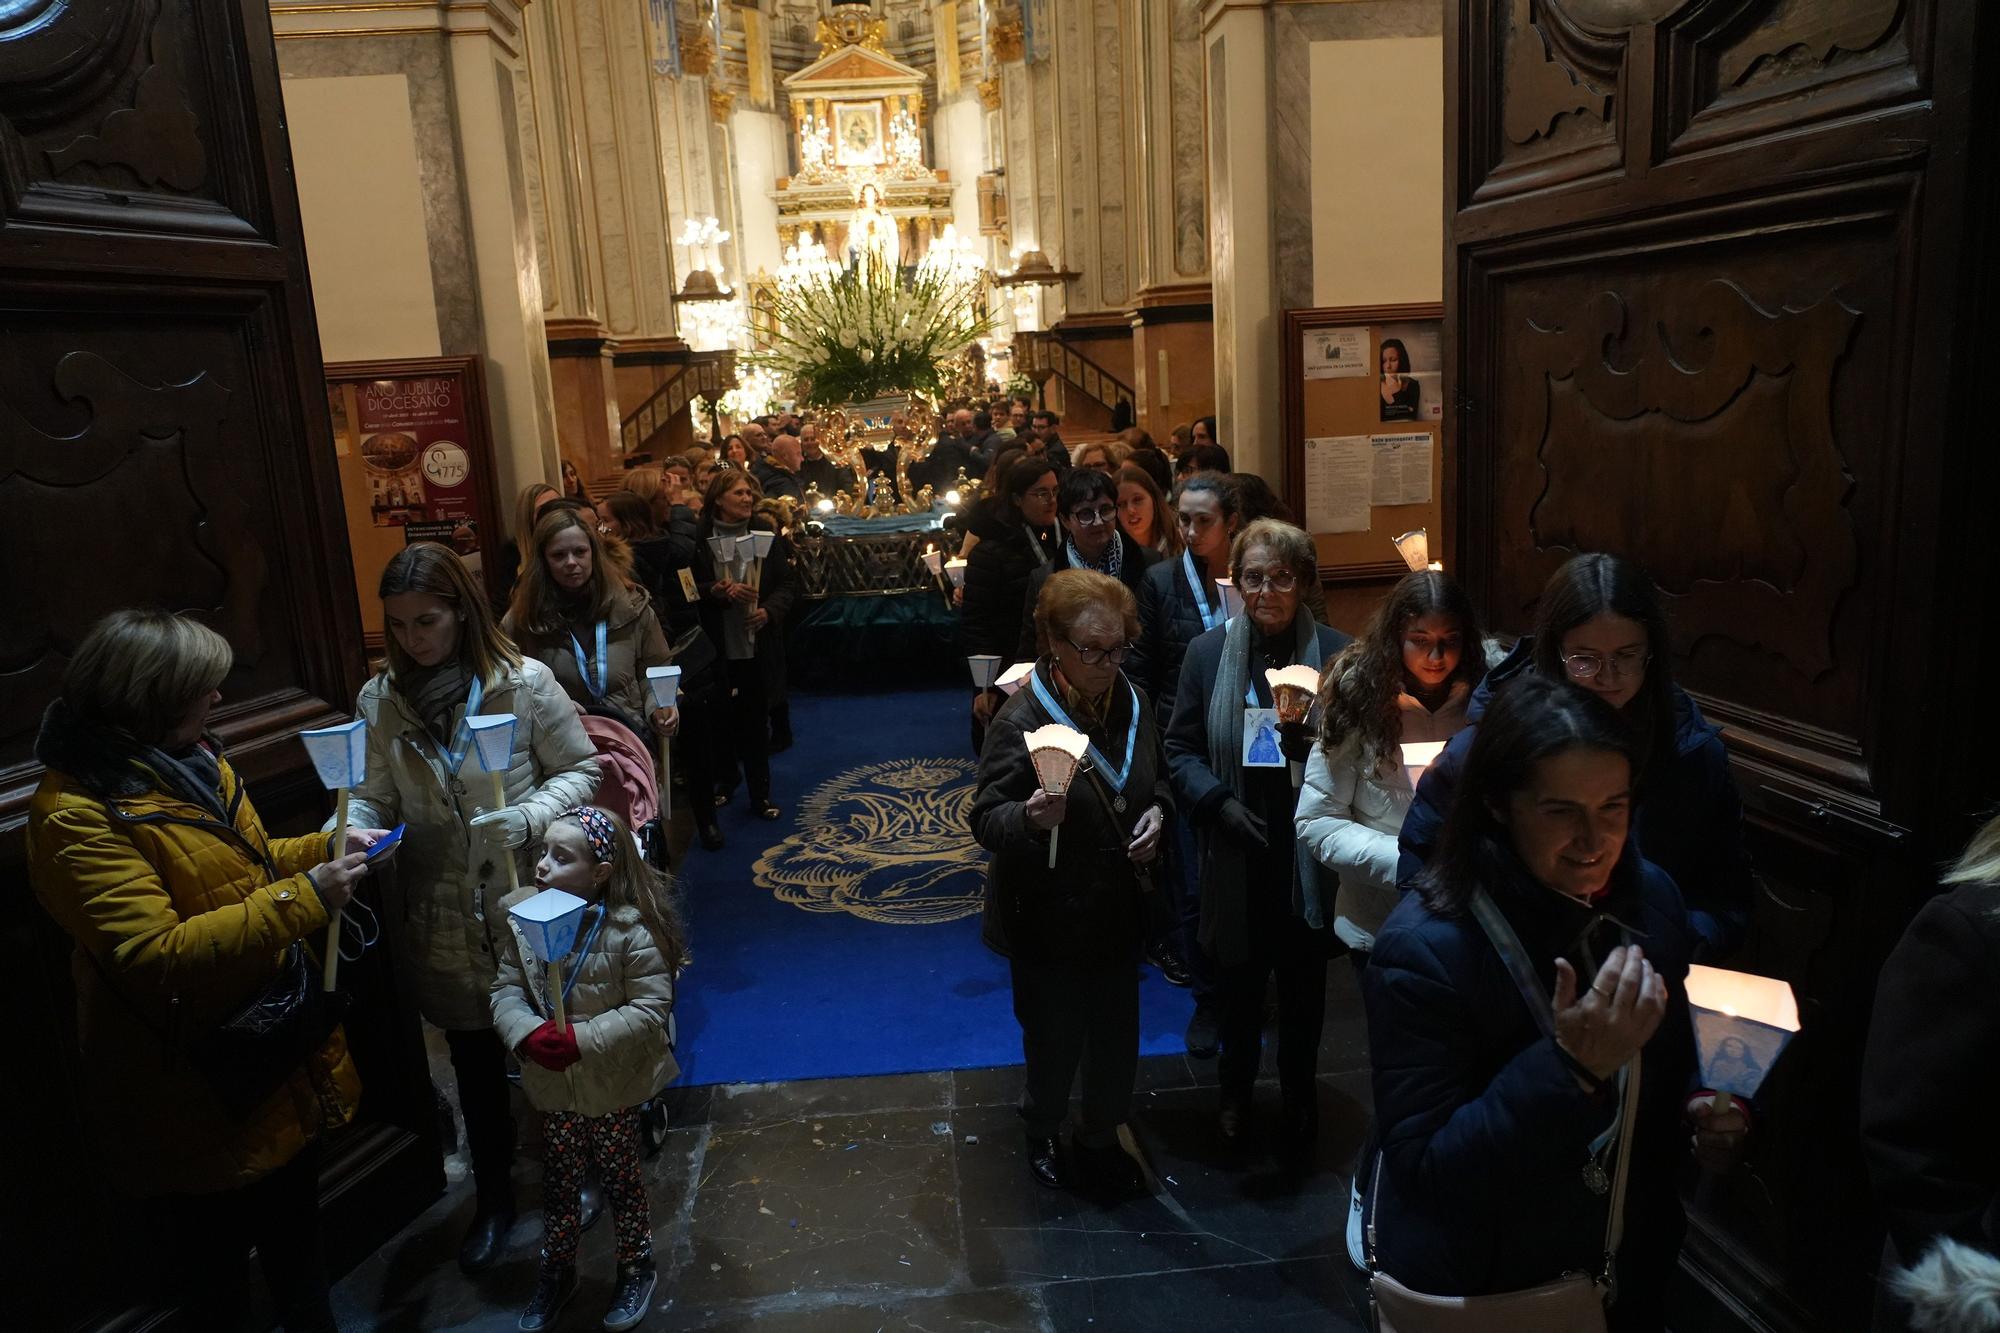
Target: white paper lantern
x=493 y=740
x=549 y=923
x=1418 y=756
x=339 y=754
x=665 y=683
x=1742 y=1024
x=985 y=667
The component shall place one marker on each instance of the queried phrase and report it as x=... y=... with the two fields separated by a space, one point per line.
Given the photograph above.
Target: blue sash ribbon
x=1209 y=619
x=461 y=741
x=602 y=682
x=1116 y=776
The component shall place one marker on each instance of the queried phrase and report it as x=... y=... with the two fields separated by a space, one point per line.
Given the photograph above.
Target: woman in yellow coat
x=144 y=847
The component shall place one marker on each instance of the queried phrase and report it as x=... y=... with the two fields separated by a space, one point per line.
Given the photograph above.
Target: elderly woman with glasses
x=1068 y=911
x=1262 y=913
x=1601 y=627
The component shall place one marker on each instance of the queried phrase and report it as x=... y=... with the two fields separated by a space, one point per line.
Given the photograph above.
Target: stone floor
x=904 y=1203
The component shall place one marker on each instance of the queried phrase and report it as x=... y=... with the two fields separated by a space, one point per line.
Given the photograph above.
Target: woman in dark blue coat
x=1496 y=1113
x=1262 y=914
x=1600 y=627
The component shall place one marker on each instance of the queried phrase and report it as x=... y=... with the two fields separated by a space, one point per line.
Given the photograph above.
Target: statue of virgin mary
x=871 y=232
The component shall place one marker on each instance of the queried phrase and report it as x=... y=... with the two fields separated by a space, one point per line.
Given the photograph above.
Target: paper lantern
x=761 y=542
x=493 y=739
x=746 y=546
x=985 y=666
x=956 y=568
x=549 y=923
x=723 y=549
x=1292 y=690
x=1742 y=1023
x=933 y=560
x=1232 y=600
x=1056 y=750
x=1014 y=677
x=1415 y=548
x=1418 y=756
x=339 y=754
x=665 y=683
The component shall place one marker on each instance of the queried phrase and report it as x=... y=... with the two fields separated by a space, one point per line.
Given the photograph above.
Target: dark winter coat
x=996 y=580
x=1088 y=908
x=1225 y=869
x=825 y=474
x=1931 y=1080
x=776 y=595
x=778 y=483
x=940 y=468
x=1131 y=573
x=1484 y=1129
x=1689 y=820
x=1169 y=620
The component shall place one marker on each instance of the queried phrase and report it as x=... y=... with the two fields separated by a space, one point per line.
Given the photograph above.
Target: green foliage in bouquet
x=849 y=335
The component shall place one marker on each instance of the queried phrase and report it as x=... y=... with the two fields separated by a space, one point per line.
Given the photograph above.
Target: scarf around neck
x=1114 y=556
x=1225 y=732
x=192 y=774
x=436 y=693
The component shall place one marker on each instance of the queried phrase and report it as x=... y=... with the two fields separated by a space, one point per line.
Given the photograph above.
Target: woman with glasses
x=1019 y=541
x=1261 y=910
x=1600 y=627
x=1087 y=507
x=1067 y=909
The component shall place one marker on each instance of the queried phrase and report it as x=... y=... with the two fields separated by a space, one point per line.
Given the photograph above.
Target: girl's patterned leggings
x=569 y=1143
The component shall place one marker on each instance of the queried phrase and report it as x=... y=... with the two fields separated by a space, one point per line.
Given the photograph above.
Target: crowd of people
x=1521 y=910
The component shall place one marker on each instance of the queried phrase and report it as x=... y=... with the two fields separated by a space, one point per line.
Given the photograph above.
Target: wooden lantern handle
x=330 y=973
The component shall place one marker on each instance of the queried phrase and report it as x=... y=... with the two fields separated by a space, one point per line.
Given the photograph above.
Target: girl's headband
x=598 y=830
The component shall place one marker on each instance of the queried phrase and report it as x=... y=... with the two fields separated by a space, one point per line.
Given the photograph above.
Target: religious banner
x=413 y=450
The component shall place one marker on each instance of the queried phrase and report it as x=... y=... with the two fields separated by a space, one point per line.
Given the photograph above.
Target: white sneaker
x=1357 y=1252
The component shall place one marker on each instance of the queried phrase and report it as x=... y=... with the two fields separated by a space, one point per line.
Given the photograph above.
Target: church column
x=1173 y=312
x=455 y=74
x=1236 y=45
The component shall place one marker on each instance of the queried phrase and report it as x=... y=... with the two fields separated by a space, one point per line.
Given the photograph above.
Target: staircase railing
x=1047 y=351
x=707 y=375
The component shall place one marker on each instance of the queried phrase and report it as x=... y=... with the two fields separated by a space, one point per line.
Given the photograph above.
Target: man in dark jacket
x=953 y=453
x=1689 y=820
x=779 y=472
x=1042 y=439
x=817 y=470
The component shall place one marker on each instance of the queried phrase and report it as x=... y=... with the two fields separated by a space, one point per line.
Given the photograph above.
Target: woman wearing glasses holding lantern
x=1087 y=507
x=1065 y=892
x=1261 y=909
x=1600 y=626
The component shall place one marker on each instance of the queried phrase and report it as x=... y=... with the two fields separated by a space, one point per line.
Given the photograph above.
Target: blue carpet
x=844 y=939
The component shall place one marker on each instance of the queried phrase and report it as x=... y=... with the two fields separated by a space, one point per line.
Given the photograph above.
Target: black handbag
x=250 y=1054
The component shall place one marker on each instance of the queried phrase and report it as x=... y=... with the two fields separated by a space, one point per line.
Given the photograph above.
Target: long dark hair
x=541 y=609
x=1360 y=690
x=1598 y=584
x=1020 y=479
x=1532 y=719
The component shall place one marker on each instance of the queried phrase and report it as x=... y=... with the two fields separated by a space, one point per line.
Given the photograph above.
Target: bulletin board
x=1363 y=418
x=415 y=453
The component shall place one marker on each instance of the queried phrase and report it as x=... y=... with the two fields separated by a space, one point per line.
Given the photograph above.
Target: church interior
x=897 y=388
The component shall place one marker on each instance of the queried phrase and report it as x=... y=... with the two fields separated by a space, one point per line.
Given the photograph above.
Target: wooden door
x=1710 y=304
x=164 y=441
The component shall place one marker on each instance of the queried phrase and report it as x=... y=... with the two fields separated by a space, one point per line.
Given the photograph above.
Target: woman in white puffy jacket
x=1407 y=680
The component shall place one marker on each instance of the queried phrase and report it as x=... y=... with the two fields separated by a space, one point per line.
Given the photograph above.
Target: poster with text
x=412 y=434
x=1338 y=483
x=1336 y=354
x=1410 y=366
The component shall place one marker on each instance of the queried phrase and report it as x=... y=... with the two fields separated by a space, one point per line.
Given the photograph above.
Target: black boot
x=1045 y=1162
x=486 y=1239
x=1298 y=1124
x=632 y=1297
x=553 y=1288
x=710 y=833
x=1204 y=1031
x=1232 y=1119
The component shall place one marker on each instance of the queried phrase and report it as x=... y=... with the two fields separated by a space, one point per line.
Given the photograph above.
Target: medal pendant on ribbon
x=1595 y=1180
x=1118 y=804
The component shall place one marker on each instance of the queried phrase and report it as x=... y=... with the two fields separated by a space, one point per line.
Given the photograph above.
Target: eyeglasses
x=1096 y=656
x=1282 y=581
x=1589 y=666
x=1040 y=493
x=1090 y=518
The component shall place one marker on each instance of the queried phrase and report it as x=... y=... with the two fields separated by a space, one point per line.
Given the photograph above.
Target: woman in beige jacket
x=448 y=659
x=614 y=1049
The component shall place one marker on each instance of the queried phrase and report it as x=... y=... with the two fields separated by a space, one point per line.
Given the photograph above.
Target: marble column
x=460 y=67
x=1241 y=250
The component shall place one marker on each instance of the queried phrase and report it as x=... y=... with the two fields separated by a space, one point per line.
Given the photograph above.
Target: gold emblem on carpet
x=885 y=842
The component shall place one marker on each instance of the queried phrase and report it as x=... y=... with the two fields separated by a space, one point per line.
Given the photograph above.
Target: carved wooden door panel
x=1704 y=289
x=163 y=441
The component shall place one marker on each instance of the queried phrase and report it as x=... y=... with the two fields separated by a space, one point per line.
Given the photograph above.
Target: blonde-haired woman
x=1105 y=456
x=448 y=660
x=534 y=498
x=1929 y=1084
x=1144 y=515
x=145 y=848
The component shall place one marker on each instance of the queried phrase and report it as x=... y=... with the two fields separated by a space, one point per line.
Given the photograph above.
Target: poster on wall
x=1401 y=470
x=1338 y=483
x=1410 y=360
x=1336 y=354
x=460 y=534
x=413 y=435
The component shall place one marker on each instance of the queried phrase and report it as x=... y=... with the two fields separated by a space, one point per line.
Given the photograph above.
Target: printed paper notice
x=1337 y=484
x=1337 y=354
x=1401 y=471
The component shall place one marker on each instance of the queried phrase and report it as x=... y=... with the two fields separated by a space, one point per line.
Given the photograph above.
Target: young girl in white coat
x=589 y=1075
x=1406 y=680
